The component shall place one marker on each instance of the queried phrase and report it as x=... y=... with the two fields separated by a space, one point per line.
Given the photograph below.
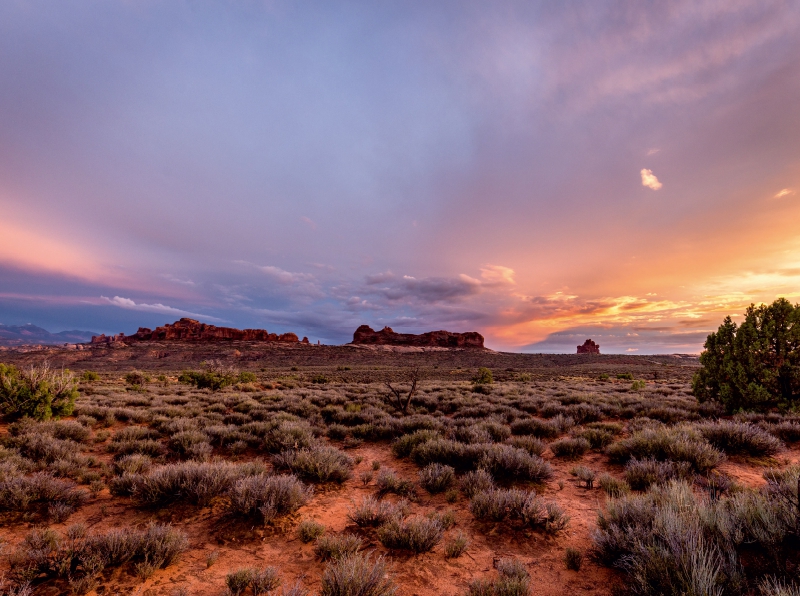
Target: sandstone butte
x=589 y=347
x=191 y=330
x=365 y=335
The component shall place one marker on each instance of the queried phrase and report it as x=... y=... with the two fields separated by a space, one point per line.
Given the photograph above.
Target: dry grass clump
x=513 y=580
x=357 y=575
x=456 y=546
x=389 y=482
x=317 y=464
x=612 y=486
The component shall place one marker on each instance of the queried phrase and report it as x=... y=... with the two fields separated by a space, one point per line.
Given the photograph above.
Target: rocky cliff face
x=191 y=330
x=365 y=335
x=589 y=347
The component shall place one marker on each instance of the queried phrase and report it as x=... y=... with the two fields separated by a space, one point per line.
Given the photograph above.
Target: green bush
x=309 y=530
x=513 y=580
x=90 y=375
x=756 y=365
x=483 y=377
x=38 y=392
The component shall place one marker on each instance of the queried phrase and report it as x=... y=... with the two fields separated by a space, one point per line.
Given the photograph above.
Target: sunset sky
x=540 y=172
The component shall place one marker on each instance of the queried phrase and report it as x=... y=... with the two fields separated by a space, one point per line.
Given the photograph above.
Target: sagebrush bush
x=456 y=546
x=372 y=512
x=542 y=429
x=573 y=559
x=667 y=444
x=268 y=497
x=404 y=445
x=529 y=443
x=437 y=478
x=191 y=482
x=570 y=448
x=336 y=546
x=389 y=482
x=309 y=530
x=518 y=505
x=417 y=534
x=318 y=464
x=513 y=580
x=739 y=438
x=476 y=481
x=612 y=486
x=22 y=493
x=357 y=575
x=641 y=474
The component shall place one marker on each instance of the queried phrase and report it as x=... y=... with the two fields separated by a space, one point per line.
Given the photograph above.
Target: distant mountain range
x=18 y=335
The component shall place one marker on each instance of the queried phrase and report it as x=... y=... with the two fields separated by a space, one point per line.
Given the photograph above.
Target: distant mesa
x=191 y=330
x=589 y=347
x=365 y=335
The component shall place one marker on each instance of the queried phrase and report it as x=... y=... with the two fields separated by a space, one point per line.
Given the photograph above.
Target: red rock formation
x=443 y=339
x=191 y=330
x=589 y=347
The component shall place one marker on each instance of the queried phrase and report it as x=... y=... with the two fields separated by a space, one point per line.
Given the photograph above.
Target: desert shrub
x=185 y=443
x=22 y=493
x=662 y=443
x=289 y=435
x=773 y=586
x=573 y=559
x=641 y=474
x=192 y=482
x=149 y=447
x=389 y=482
x=317 y=464
x=456 y=546
x=437 y=478
x=612 y=486
x=529 y=443
x=597 y=438
x=483 y=377
x=238 y=581
x=267 y=497
x=518 y=505
x=417 y=534
x=372 y=512
x=308 y=530
x=787 y=431
x=135 y=433
x=739 y=437
x=507 y=462
x=585 y=475
x=37 y=392
x=570 y=448
x=208 y=379
x=444 y=451
x=46 y=449
x=476 y=481
x=542 y=429
x=336 y=547
x=513 y=580
x=357 y=575
x=89 y=376
x=264 y=581
x=670 y=542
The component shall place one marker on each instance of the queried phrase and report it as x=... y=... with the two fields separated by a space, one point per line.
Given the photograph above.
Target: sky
x=540 y=172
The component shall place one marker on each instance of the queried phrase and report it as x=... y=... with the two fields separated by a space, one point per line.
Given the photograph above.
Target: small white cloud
x=497 y=274
x=653 y=151
x=649 y=179
x=129 y=304
x=309 y=222
x=784 y=193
